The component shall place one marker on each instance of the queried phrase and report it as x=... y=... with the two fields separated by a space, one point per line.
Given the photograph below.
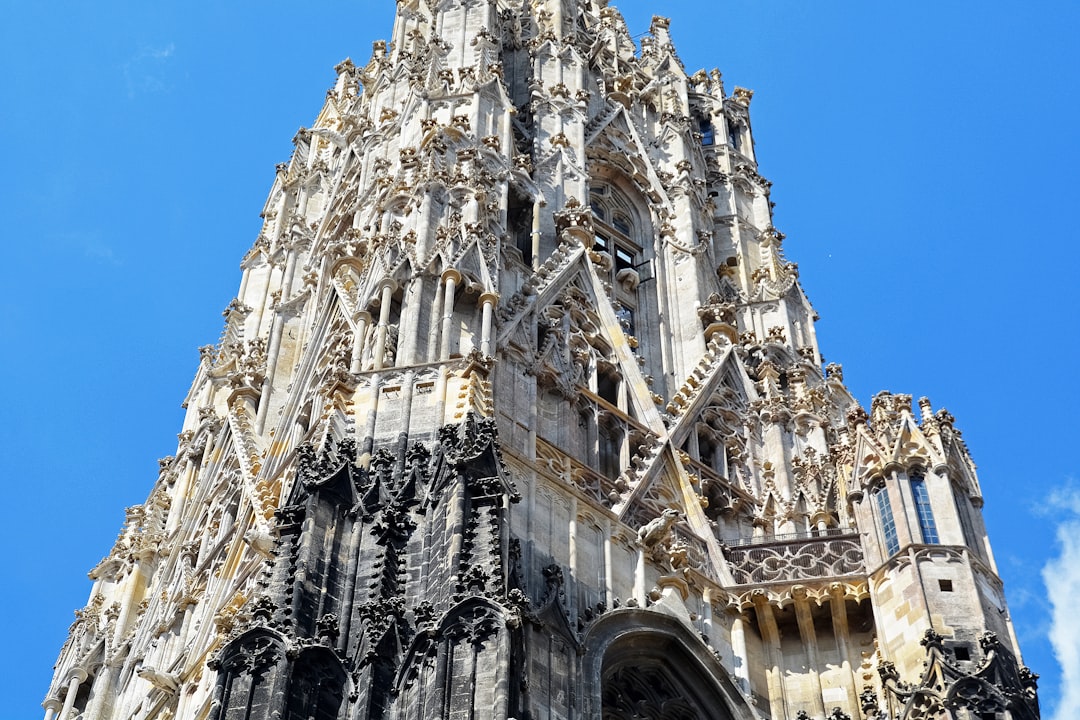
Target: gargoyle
x=657 y=530
x=161 y=680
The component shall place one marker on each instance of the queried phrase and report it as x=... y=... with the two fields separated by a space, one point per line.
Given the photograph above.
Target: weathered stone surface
x=520 y=413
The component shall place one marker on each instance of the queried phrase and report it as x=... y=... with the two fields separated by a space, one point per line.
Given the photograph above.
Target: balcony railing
x=789 y=537
x=696 y=552
x=800 y=558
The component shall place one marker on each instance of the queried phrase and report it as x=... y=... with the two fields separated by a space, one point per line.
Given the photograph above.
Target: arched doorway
x=645 y=665
x=635 y=692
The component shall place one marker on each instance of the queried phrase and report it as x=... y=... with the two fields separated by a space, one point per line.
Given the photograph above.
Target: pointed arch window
x=925 y=513
x=616 y=237
x=888 y=522
x=734 y=135
x=316 y=688
x=963 y=511
x=708 y=132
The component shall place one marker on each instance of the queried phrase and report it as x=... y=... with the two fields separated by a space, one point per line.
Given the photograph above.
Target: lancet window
x=519 y=222
x=735 y=135
x=708 y=132
x=888 y=522
x=616 y=238
x=925 y=513
x=963 y=510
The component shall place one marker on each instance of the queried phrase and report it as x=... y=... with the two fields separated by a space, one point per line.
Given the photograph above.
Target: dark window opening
x=945 y=585
x=610 y=451
x=607 y=387
x=962 y=653
x=315 y=690
x=519 y=218
x=625 y=317
x=616 y=236
x=708 y=132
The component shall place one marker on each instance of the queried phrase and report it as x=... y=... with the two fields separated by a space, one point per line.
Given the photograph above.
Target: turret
x=916 y=502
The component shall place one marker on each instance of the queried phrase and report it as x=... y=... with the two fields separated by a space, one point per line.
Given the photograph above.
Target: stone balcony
x=791 y=558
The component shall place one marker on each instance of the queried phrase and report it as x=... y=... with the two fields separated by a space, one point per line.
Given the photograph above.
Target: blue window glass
x=888 y=524
x=708 y=134
x=923 y=510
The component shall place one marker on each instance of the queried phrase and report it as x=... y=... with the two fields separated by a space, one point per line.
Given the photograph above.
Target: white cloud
x=101 y=253
x=1062 y=577
x=146 y=71
x=160 y=53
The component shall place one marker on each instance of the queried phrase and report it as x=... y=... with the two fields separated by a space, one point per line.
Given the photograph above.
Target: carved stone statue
x=658 y=530
x=161 y=680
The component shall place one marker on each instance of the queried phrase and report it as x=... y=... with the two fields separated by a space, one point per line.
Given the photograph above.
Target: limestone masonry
x=519 y=413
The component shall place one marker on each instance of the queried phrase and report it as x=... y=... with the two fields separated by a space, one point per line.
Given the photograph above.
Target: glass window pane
x=888 y=524
x=924 y=511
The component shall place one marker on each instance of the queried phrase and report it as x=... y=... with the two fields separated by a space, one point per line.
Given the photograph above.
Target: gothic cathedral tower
x=520 y=413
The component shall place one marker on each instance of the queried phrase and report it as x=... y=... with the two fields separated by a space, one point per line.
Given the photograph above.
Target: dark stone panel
x=387 y=592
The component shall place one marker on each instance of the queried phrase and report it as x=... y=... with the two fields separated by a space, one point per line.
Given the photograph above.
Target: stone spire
x=519 y=412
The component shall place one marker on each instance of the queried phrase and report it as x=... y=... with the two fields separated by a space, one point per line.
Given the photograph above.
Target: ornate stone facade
x=520 y=413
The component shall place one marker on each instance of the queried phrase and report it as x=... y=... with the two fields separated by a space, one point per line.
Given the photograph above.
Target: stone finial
x=743 y=96
x=659 y=29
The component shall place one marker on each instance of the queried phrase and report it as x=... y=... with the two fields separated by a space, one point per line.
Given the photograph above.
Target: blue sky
x=923 y=157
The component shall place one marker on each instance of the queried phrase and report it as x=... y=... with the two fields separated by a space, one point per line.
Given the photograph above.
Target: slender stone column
x=536 y=235
x=52 y=706
x=276 y=328
x=75 y=678
x=184 y=700
x=101 y=692
x=362 y=320
x=809 y=638
x=639 y=578
x=571 y=582
x=134 y=580
x=821 y=520
x=451 y=278
x=609 y=575
x=487 y=303
x=706 y=615
x=179 y=494
x=738 y=649
x=774 y=669
x=386 y=297
x=838 y=606
x=423 y=225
